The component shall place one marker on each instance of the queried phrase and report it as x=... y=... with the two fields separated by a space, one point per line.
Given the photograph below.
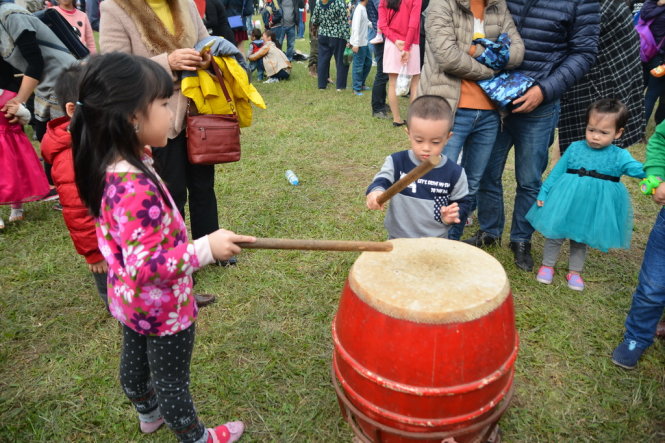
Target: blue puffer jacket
x=560 y=38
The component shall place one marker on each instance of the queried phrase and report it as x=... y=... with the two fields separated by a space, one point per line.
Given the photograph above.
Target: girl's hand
x=223 y=243
x=659 y=195
x=185 y=59
x=450 y=214
x=399 y=44
x=98 y=268
x=405 y=57
x=10 y=109
x=371 y=200
x=540 y=203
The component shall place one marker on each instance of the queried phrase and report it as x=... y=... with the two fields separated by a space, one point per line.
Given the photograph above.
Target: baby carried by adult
x=583 y=199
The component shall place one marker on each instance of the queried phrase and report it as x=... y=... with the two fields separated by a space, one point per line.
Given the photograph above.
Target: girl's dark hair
x=610 y=106
x=113 y=89
x=67 y=87
x=393 y=4
x=270 y=34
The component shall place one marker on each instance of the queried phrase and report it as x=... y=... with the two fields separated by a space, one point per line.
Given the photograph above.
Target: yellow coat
x=208 y=96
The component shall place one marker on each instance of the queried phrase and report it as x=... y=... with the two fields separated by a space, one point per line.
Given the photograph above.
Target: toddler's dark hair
x=270 y=34
x=114 y=88
x=67 y=87
x=256 y=33
x=610 y=106
x=430 y=107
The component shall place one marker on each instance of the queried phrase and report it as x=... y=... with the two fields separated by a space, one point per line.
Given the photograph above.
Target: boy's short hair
x=610 y=106
x=270 y=34
x=67 y=87
x=256 y=33
x=430 y=107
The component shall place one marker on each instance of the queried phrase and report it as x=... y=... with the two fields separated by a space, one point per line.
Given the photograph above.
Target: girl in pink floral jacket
x=122 y=107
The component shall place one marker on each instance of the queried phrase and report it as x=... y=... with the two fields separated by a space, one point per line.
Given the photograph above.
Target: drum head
x=430 y=280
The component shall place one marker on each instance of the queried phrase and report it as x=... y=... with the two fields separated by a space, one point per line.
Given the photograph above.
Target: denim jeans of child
x=531 y=134
x=362 y=64
x=649 y=296
x=474 y=134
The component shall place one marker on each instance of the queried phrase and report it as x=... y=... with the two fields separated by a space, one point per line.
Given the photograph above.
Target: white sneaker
x=377 y=40
x=271 y=80
x=2 y=223
x=16 y=215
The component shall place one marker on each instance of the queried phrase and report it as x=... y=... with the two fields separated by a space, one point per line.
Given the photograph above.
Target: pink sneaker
x=227 y=433
x=575 y=281
x=545 y=274
x=377 y=40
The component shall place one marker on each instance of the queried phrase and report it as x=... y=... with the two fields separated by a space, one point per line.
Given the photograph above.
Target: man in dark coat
x=560 y=40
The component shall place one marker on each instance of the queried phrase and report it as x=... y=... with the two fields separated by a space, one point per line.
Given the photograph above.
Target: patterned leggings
x=154 y=374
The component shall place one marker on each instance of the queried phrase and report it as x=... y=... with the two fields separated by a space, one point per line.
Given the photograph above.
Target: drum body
x=425 y=343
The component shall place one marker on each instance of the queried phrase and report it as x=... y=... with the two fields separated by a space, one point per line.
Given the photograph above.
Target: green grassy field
x=263 y=350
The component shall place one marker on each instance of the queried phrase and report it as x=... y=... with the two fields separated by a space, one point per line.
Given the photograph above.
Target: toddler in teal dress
x=583 y=199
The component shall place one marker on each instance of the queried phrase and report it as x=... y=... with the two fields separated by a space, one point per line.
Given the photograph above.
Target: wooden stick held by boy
x=409 y=178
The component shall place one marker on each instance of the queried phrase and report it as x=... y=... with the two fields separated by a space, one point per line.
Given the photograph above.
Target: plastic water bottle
x=292 y=178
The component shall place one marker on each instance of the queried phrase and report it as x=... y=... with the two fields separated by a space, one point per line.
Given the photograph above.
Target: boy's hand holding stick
x=417 y=172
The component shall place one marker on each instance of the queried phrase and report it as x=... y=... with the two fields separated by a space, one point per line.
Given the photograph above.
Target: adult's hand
x=185 y=59
x=531 y=99
x=10 y=109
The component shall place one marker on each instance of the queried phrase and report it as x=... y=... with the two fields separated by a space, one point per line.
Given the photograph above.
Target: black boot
x=522 y=252
x=481 y=239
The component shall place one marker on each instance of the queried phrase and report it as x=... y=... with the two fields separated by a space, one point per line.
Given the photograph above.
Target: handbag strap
x=220 y=79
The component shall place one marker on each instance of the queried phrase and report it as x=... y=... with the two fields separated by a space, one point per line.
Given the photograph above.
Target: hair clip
x=78 y=103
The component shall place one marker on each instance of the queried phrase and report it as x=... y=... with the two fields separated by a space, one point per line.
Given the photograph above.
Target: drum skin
x=420 y=377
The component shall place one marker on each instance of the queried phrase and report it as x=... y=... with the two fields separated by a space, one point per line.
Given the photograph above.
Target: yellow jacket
x=208 y=96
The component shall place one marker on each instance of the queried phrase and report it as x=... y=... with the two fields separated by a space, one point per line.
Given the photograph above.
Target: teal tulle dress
x=583 y=203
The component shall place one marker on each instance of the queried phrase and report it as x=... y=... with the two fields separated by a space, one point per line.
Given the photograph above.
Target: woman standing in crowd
x=333 y=32
x=399 y=21
x=166 y=32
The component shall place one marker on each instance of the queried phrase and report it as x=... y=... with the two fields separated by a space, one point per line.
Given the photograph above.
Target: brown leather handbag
x=213 y=138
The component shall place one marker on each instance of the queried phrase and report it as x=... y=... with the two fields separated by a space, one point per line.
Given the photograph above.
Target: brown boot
x=204 y=299
x=313 y=71
x=660 y=330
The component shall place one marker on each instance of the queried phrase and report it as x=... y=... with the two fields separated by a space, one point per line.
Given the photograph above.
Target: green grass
x=263 y=350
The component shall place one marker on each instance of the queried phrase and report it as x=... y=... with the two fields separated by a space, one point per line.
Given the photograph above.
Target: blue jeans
x=371 y=33
x=532 y=135
x=474 y=134
x=649 y=297
x=301 y=24
x=329 y=46
x=362 y=64
x=290 y=35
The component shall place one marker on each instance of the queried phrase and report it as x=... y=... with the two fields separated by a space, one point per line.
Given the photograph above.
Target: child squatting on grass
x=431 y=204
x=582 y=199
x=122 y=108
x=275 y=64
x=56 y=148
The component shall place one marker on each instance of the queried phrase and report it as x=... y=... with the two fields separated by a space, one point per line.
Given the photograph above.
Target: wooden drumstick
x=317 y=245
x=417 y=172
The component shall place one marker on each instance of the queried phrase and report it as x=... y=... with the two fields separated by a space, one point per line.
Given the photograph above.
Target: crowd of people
x=577 y=66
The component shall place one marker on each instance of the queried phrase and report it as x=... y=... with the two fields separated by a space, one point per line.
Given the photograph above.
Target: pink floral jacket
x=149 y=257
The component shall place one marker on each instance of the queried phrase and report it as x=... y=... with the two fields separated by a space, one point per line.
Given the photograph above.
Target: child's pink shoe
x=150 y=427
x=545 y=274
x=575 y=281
x=227 y=433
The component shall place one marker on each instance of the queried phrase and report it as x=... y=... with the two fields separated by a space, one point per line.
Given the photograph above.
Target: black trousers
x=380 y=82
x=154 y=373
x=329 y=47
x=185 y=180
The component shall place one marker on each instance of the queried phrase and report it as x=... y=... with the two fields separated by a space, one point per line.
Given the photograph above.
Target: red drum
x=425 y=344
